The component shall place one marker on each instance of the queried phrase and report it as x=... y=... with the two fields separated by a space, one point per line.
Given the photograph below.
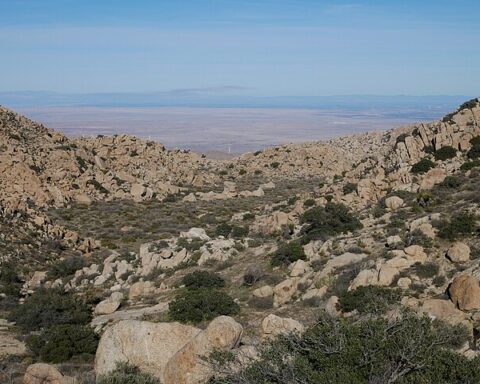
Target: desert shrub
x=46 y=308
x=261 y=302
x=127 y=374
x=417 y=237
x=275 y=164
x=252 y=275
x=288 y=253
x=332 y=219
x=451 y=182
x=445 y=153
x=223 y=229
x=426 y=270
x=66 y=267
x=349 y=188
x=422 y=166
x=439 y=280
x=10 y=282
x=248 y=216
x=191 y=246
x=474 y=152
x=475 y=140
x=470 y=165
x=343 y=277
x=309 y=203
x=239 y=232
x=460 y=225
x=406 y=350
x=61 y=342
x=203 y=279
x=369 y=299
x=200 y=305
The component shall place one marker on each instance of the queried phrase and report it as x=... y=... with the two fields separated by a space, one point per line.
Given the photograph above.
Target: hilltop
x=113 y=240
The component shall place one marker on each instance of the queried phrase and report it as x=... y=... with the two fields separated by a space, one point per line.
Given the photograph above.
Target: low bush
x=61 y=342
x=423 y=166
x=252 y=275
x=223 y=229
x=402 y=350
x=127 y=374
x=451 y=182
x=10 y=282
x=288 y=253
x=369 y=299
x=425 y=271
x=240 y=232
x=349 y=188
x=328 y=220
x=417 y=237
x=46 y=308
x=66 y=267
x=470 y=165
x=460 y=225
x=474 y=152
x=203 y=279
x=201 y=305
x=445 y=153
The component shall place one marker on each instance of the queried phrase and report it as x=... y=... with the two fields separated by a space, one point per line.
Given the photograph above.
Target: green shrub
x=369 y=299
x=66 y=267
x=474 y=152
x=470 y=165
x=426 y=270
x=330 y=220
x=223 y=229
x=275 y=164
x=200 y=305
x=445 y=153
x=309 y=203
x=46 y=308
x=422 y=166
x=10 y=282
x=349 y=188
x=460 y=225
x=61 y=342
x=451 y=182
x=405 y=350
x=127 y=374
x=239 y=232
x=203 y=279
x=288 y=253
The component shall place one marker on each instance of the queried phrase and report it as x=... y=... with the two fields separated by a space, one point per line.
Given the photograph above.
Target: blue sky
x=251 y=47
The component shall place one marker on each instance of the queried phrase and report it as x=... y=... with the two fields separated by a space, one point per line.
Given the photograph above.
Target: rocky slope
x=361 y=226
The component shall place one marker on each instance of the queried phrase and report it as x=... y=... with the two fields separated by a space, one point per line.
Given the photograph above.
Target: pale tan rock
x=404 y=282
x=274 y=325
x=149 y=346
x=285 y=291
x=364 y=278
x=416 y=253
x=298 y=268
x=387 y=275
x=433 y=177
x=443 y=310
x=83 y=198
x=465 y=292
x=393 y=203
x=110 y=305
x=459 y=252
x=265 y=291
x=45 y=374
x=187 y=365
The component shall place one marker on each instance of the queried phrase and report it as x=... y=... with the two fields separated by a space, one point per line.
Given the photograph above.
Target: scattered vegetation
x=288 y=253
x=405 y=350
x=127 y=374
x=445 y=153
x=331 y=219
x=369 y=299
x=423 y=166
x=460 y=225
x=203 y=304
x=203 y=279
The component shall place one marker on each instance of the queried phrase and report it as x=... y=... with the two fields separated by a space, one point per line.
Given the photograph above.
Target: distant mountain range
x=212 y=98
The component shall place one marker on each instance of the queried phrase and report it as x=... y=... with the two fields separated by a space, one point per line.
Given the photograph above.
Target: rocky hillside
x=132 y=262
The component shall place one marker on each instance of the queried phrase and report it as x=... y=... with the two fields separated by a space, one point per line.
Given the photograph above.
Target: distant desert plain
x=224 y=130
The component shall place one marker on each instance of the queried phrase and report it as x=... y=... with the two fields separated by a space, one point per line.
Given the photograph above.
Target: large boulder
x=109 y=305
x=283 y=292
x=149 y=346
x=188 y=366
x=273 y=325
x=465 y=292
x=459 y=252
x=45 y=374
x=393 y=203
